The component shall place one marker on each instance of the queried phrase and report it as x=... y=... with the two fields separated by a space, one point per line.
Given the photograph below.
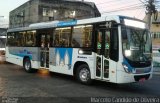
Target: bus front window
x=136 y=44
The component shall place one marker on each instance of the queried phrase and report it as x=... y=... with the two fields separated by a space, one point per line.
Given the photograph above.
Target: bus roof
x=52 y=24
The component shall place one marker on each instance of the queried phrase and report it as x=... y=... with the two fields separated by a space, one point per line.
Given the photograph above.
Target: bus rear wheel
x=27 y=65
x=83 y=74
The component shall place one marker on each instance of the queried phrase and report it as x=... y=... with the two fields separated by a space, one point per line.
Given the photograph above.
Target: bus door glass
x=102 y=59
x=44 y=50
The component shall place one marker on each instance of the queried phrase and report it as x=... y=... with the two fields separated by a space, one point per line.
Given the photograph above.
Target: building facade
x=35 y=11
x=155 y=30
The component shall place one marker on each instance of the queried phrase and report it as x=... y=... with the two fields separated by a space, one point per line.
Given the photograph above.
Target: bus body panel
x=124 y=77
x=88 y=59
x=13 y=58
x=130 y=78
x=112 y=71
x=63 y=60
x=16 y=55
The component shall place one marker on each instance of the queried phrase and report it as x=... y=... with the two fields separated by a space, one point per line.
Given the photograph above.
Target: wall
x=35 y=11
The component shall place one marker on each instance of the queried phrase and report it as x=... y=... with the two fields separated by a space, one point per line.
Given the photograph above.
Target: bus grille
x=143 y=70
x=139 y=77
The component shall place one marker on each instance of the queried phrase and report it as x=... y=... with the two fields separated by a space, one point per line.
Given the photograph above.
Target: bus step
x=43 y=71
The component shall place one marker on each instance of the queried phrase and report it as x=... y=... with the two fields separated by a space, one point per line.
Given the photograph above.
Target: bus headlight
x=127 y=53
x=81 y=51
x=85 y=51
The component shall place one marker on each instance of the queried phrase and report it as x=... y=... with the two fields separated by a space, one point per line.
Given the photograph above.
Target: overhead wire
x=121 y=10
x=143 y=2
x=135 y=6
x=139 y=6
x=140 y=13
x=106 y=2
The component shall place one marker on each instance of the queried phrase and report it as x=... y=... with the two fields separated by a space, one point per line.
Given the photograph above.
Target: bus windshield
x=136 y=44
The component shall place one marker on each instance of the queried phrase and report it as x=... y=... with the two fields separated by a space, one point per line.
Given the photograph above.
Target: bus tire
x=83 y=74
x=27 y=65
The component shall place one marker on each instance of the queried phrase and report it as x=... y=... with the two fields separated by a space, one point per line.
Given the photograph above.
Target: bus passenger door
x=102 y=58
x=44 y=50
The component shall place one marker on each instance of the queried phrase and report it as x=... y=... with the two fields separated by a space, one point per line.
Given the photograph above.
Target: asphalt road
x=15 y=82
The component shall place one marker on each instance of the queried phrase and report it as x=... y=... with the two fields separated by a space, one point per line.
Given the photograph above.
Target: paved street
x=15 y=82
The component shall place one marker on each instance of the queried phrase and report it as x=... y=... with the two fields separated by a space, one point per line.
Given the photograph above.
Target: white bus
x=114 y=49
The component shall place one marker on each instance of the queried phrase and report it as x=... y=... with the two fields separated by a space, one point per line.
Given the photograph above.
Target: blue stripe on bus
x=130 y=69
x=67 y=23
x=23 y=53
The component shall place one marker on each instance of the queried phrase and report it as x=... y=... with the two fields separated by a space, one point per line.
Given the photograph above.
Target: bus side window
x=82 y=36
x=12 y=39
x=22 y=37
x=29 y=41
x=61 y=37
x=99 y=42
x=56 y=38
x=107 y=43
x=30 y=38
x=125 y=43
x=75 y=43
x=114 y=48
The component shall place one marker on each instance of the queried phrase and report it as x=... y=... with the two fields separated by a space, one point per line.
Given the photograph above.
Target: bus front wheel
x=83 y=74
x=27 y=65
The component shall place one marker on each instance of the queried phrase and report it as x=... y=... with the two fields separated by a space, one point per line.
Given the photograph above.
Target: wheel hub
x=27 y=65
x=84 y=74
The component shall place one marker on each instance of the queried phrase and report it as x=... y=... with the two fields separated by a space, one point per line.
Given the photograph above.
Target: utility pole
x=150 y=10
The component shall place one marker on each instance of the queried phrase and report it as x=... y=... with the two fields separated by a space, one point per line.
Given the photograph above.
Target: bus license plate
x=142 y=80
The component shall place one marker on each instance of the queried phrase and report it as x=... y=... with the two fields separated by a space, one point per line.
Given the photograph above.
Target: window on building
x=70 y=13
x=156 y=35
x=49 y=12
x=45 y=11
x=82 y=36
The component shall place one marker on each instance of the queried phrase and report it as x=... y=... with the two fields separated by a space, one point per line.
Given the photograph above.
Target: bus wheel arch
x=27 y=65
x=81 y=68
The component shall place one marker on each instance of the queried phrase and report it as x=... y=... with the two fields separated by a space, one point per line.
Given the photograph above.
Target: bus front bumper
x=124 y=77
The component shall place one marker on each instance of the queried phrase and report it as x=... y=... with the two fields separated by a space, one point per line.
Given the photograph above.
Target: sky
x=5 y=7
x=132 y=8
